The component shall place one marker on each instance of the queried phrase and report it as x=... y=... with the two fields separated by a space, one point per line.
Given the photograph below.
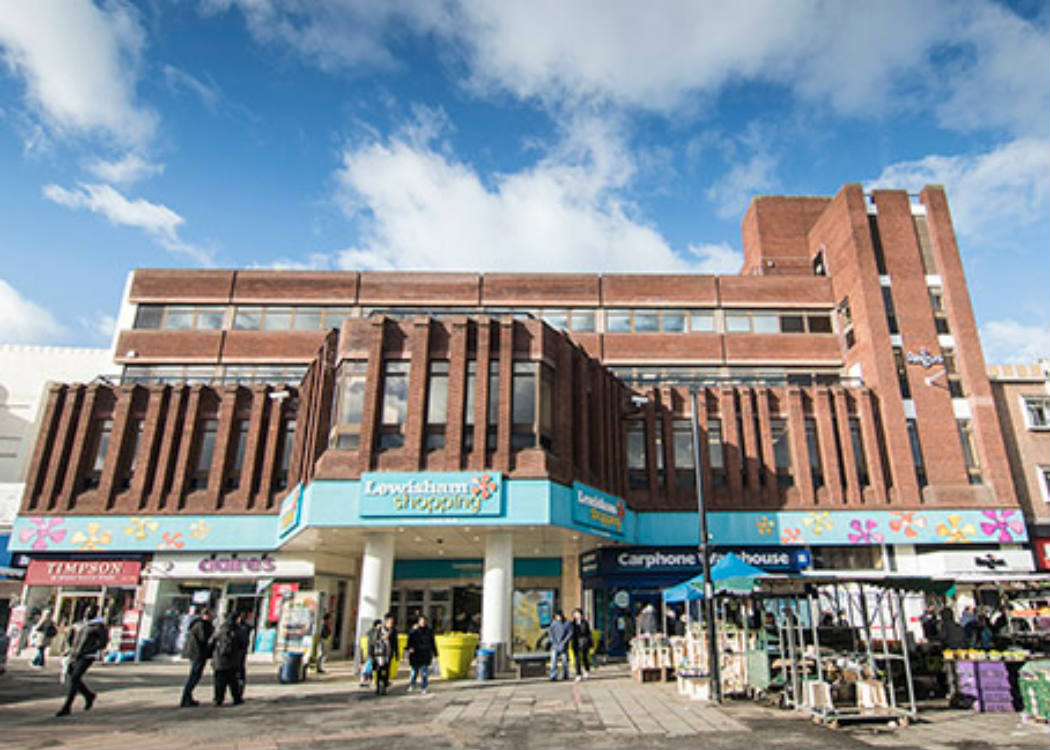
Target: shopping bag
x=63 y=671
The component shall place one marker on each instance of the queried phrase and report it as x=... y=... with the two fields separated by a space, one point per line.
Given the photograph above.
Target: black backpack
x=225 y=644
x=96 y=638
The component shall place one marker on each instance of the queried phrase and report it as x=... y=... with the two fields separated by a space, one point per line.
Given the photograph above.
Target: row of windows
x=643 y=320
x=714 y=376
x=213 y=374
x=532 y=405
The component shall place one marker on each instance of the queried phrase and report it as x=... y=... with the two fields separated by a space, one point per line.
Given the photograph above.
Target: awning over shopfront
x=730 y=574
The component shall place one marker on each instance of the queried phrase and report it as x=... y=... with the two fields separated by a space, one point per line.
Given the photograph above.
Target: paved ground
x=136 y=708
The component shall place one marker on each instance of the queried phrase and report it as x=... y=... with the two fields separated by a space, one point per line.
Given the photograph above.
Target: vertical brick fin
x=123 y=404
x=877 y=493
x=370 y=414
x=583 y=422
x=796 y=425
x=651 y=425
x=41 y=471
x=146 y=464
x=732 y=444
x=706 y=482
x=752 y=450
x=175 y=433
x=457 y=394
x=665 y=425
x=224 y=447
x=476 y=460
x=501 y=461
x=187 y=447
x=770 y=491
x=418 y=377
x=78 y=448
x=822 y=410
x=244 y=498
x=275 y=412
x=849 y=464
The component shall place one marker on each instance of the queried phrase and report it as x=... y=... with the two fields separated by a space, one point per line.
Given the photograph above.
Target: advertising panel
x=431 y=495
x=83 y=573
x=532 y=613
x=598 y=510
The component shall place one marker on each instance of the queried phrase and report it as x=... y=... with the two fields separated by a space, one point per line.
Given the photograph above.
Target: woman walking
x=43 y=632
x=422 y=649
x=581 y=641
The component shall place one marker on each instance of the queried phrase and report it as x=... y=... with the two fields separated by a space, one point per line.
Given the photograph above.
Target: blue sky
x=485 y=134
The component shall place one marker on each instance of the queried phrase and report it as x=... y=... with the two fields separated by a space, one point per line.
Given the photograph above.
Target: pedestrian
x=381 y=650
x=930 y=624
x=422 y=650
x=227 y=653
x=559 y=633
x=90 y=638
x=366 y=670
x=647 y=620
x=582 y=640
x=951 y=635
x=41 y=636
x=245 y=633
x=197 y=649
x=325 y=643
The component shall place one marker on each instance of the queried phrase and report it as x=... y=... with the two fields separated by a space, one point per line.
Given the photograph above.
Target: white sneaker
x=409 y=689
x=586 y=675
x=423 y=691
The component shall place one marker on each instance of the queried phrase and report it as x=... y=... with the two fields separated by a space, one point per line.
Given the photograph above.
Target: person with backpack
x=422 y=649
x=382 y=649
x=43 y=632
x=581 y=640
x=228 y=648
x=245 y=633
x=90 y=639
x=197 y=650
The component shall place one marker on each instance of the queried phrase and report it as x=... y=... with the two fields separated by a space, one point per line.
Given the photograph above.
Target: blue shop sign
x=464 y=494
x=686 y=560
x=597 y=509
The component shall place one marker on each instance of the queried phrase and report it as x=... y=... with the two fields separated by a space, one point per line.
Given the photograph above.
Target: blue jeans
x=564 y=664
x=423 y=671
x=38 y=660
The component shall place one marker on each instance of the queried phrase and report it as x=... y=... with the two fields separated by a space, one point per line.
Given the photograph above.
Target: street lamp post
x=705 y=559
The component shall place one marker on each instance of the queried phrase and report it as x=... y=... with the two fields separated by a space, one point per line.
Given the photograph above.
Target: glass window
x=792 y=324
x=637 y=469
x=491 y=433
x=859 y=459
x=891 y=312
x=738 y=322
x=523 y=406
x=902 y=372
x=210 y=318
x=876 y=241
x=547 y=407
x=716 y=452
x=766 y=323
x=819 y=323
x=468 y=406
x=437 y=394
x=618 y=321
x=247 y=318
x=351 y=404
x=916 y=453
x=307 y=319
x=277 y=319
x=205 y=452
x=583 y=320
x=816 y=464
x=283 y=465
x=973 y=466
x=922 y=231
x=646 y=321
x=1037 y=412
x=149 y=316
x=673 y=321
x=556 y=319
x=701 y=322
x=395 y=404
x=178 y=318
x=103 y=431
x=781 y=452
x=334 y=316
x=233 y=479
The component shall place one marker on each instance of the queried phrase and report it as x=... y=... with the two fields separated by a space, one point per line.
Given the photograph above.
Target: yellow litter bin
x=596 y=635
x=455 y=652
x=402 y=643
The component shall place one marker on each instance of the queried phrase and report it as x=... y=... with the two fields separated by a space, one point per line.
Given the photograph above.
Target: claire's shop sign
x=231 y=564
x=431 y=495
x=83 y=572
x=686 y=560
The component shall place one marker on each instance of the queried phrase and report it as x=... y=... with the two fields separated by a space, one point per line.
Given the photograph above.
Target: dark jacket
x=560 y=633
x=378 y=658
x=422 y=648
x=229 y=646
x=198 y=640
x=581 y=637
x=91 y=637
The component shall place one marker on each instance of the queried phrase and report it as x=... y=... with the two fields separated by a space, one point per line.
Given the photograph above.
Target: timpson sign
x=448 y=495
x=83 y=573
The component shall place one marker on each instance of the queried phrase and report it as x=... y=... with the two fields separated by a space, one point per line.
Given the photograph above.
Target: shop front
x=619 y=581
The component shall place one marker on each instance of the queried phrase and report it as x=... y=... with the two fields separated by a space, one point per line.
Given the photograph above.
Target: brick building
x=482 y=446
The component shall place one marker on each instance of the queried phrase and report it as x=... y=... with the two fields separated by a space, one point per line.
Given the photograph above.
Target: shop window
x=637 y=466
x=1037 y=412
x=131 y=453
x=684 y=460
x=240 y=437
x=891 y=311
x=922 y=233
x=284 y=460
x=781 y=452
x=816 y=462
x=103 y=430
x=394 y=410
x=853 y=557
x=901 y=367
x=349 y=405
x=468 y=406
x=437 y=405
x=492 y=429
x=969 y=447
x=716 y=453
x=206 y=431
x=916 y=453
x=859 y=459
x=523 y=406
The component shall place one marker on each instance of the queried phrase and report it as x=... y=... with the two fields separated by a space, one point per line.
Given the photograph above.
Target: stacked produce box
x=1034 y=683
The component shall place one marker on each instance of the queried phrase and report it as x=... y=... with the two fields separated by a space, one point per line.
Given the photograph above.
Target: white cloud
x=177 y=79
x=99 y=326
x=127 y=170
x=1005 y=187
x=22 y=321
x=1011 y=342
x=419 y=207
x=156 y=220
x=733 y=192
x=716 y=259
x=80 y=63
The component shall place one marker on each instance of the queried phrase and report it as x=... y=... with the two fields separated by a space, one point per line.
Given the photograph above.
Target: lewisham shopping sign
x=431 y=495
x=597 y=509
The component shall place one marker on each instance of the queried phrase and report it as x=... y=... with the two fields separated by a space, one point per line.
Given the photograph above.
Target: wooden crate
x=654 y=674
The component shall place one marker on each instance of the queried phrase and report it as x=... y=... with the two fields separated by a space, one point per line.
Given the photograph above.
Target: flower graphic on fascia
x=95 y=538
x=171 y=540
x=1002 y=525
x=956 y=531
x=907 y=521
x=765 y=525
x=820 y=521
x=140 y=528
x=792 y=536
x=199 y=529
x=864 y=532
x=46 y=532
x=484 y=486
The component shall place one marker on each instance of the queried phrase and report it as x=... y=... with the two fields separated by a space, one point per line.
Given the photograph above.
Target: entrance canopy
x=730 y=574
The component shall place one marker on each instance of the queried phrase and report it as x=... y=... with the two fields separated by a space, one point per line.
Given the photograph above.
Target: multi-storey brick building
x=411 y=436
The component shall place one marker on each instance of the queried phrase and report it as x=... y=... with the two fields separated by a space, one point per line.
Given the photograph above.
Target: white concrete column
x=497 y=591
x=377 y=572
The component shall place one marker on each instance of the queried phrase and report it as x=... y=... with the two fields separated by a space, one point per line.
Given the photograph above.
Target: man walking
x=227 y=652
x=43 y=632
x=197 y=649
x=90 y=638
x=422 y=648
x=581 y=640
x=560 y=632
